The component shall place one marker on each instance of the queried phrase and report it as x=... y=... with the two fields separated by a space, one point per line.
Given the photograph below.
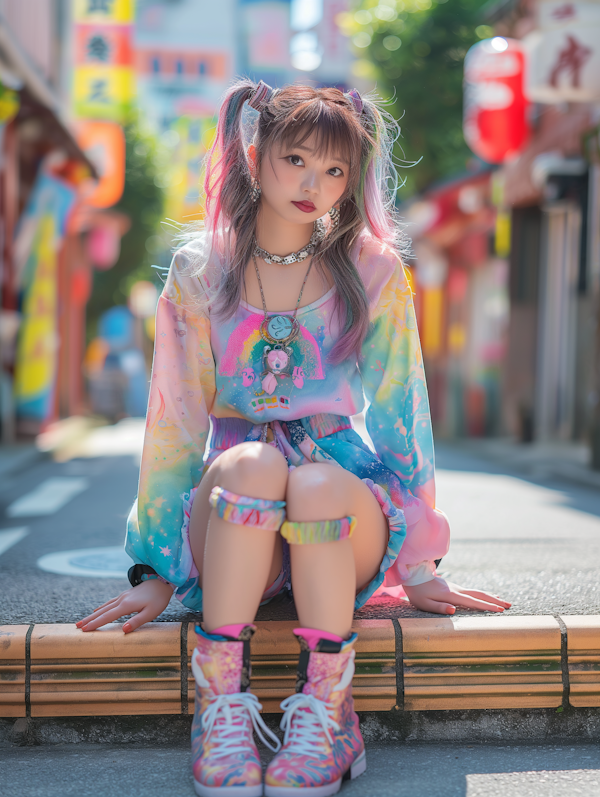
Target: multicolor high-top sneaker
x=224 y=756
x=322 y=745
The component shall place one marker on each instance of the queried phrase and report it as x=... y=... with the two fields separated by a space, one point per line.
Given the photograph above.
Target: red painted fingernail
x=79 y=624
x=126 y=628
x=450 y=610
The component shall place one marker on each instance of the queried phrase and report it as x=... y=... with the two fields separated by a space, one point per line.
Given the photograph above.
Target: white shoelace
x=306 y=718
x=226 y=718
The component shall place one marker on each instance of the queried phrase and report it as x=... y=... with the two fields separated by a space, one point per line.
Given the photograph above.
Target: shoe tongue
x=239 y=632
x=318 y=641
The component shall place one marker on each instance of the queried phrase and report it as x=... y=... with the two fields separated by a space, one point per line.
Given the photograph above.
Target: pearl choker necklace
x=295 y=257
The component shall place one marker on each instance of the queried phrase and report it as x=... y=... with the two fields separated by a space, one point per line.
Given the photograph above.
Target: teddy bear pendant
x=276 y=363
x=277 y=331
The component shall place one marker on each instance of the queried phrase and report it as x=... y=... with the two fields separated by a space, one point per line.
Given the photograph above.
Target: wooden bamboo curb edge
x=408 y=664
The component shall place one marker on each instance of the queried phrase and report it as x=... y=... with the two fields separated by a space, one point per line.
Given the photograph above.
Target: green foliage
x=414 y=50
x=143 y=201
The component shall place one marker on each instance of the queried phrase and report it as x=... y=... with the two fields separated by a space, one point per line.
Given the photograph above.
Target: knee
x=254 y=469
x=313 y=494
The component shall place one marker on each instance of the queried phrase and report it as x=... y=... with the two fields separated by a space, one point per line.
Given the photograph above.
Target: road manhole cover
x=110 y=562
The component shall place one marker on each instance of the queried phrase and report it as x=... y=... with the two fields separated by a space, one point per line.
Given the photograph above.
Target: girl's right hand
x=148 y=599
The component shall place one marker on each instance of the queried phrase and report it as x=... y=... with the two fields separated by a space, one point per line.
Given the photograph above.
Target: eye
x=337 y=170
x=295 y=160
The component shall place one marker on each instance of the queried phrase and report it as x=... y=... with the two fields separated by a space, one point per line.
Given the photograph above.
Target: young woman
x=274 y=324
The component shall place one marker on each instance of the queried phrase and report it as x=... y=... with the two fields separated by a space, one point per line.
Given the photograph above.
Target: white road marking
x=110 y=562
x=48 y=497
x=10 y=537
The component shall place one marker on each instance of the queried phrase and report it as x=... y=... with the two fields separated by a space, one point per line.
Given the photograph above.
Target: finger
x=107 y=617
x=486 y=596
x=139 y=619
x=108 y=602
x=437 y=607
x=97 y=612
x=111 y=602
x=460 y=599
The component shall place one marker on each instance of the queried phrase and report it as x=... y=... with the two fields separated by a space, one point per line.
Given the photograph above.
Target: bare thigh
x=253 y=469
x=325 y=492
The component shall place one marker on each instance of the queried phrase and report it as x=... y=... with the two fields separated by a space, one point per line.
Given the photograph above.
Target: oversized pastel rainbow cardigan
x=202 y=361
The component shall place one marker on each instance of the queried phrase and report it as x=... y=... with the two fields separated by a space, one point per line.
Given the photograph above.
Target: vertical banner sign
x=104 y=82
x=183 y=194
x=39 y=237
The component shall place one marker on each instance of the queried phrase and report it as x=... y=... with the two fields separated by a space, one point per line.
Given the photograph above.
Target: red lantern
x=496 y=125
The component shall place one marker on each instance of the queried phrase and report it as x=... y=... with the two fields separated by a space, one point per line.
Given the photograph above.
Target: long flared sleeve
x=398 y=418
x=177 y=424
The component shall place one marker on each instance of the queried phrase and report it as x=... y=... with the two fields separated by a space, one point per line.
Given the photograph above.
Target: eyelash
x=341 y=173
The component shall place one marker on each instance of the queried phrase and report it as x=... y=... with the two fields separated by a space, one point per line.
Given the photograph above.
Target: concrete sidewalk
x=541 y=461
x=502 y=769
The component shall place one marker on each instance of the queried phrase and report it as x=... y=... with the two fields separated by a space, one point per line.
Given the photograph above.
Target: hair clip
x=261 y=96
x=356 y=99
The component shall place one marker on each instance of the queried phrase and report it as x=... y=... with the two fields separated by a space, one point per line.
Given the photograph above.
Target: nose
x=310 y=183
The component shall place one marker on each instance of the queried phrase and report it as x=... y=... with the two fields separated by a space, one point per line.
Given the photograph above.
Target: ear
x=252 y=158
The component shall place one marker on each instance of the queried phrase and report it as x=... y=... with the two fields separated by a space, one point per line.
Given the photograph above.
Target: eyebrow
x=312 y=152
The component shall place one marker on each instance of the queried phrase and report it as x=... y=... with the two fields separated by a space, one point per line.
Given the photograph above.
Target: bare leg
x=236 y=563
x=326 y=576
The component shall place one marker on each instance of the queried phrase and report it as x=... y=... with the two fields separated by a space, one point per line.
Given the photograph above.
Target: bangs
x=334 y=137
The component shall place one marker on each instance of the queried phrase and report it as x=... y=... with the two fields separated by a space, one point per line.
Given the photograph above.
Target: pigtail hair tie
x=357 y=101
x=261 y=96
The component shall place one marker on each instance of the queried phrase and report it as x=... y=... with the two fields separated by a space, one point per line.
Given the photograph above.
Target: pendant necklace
x=278 y=331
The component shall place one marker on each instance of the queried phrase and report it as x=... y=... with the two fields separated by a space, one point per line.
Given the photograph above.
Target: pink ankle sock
x=230 y=630
x=313 y=635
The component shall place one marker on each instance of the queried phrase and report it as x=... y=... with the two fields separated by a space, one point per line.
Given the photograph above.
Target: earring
x=256 y=191
x=334 y=214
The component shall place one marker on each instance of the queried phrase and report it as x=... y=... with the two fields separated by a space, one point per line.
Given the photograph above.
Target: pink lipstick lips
x=305 y=207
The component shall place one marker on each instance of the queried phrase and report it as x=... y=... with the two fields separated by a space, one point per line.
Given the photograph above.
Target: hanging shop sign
x=563 y=55
x=496 y=125
x=104 y=144
x=103 y=82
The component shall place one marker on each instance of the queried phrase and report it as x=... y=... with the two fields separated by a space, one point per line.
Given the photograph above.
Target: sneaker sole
x=358 y=767
x=228 y=791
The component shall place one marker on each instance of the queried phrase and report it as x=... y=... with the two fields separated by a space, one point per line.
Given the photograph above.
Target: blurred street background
x=107 y=108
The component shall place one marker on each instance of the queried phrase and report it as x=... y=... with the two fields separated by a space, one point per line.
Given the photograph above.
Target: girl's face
x=299 y=183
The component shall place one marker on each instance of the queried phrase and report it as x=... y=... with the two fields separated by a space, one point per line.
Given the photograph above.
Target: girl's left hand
x=441 y=596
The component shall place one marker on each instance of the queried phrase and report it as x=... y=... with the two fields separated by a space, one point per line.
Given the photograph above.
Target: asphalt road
x=408 y=770
x=536 y=543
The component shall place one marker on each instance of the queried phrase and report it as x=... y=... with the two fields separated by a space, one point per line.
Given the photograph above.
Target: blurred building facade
x=533 y=278
x=45 y=272
x=552 y=190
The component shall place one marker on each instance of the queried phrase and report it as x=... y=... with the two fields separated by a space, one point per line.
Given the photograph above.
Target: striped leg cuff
x=311 y=531
x=257 y=512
